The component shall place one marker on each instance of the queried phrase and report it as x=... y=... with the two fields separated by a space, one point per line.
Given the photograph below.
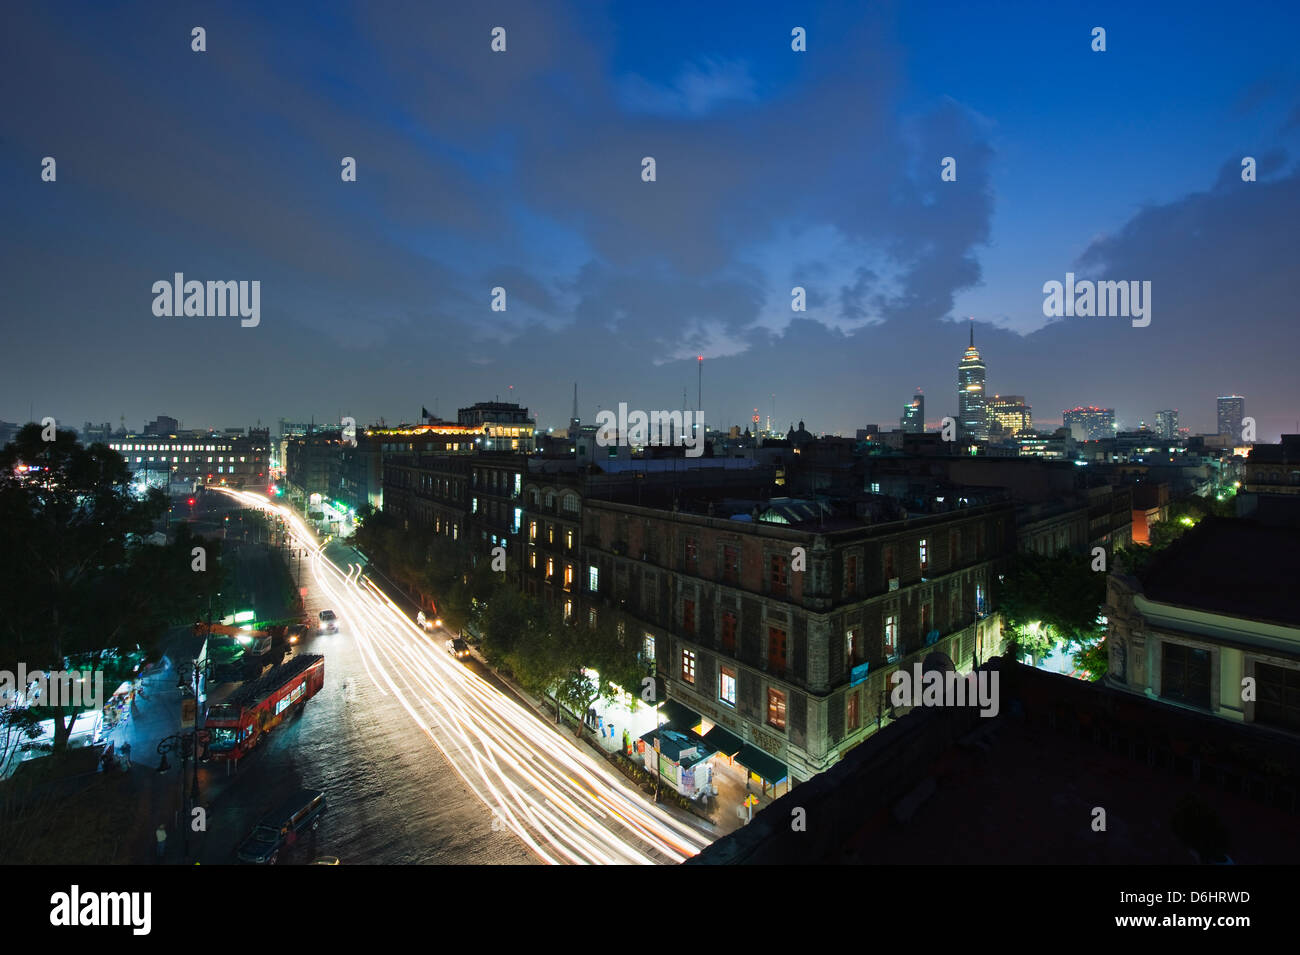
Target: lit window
x=568 y=576
x=532 y=530
x=923 y=553
x=550 y=567
x=688 y=666
x=727 y=686
x=891 y=635
x=593 y=579
x=568 y=610
x=776 y=709
x=532 y=560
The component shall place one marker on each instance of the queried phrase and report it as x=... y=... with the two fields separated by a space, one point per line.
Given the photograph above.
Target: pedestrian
x=126 y=755
x=161 y=835
x=626 y=739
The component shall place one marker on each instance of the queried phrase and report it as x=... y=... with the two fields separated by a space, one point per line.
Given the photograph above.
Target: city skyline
x=382 y=288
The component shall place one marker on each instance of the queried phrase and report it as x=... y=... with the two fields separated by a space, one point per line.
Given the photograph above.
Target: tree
x=78 y=578
x=604 y=650
x=1047 y=600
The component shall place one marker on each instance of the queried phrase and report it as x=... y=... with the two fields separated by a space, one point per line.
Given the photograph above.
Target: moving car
x=458 y=648
x=328 y=622
x=299 y=813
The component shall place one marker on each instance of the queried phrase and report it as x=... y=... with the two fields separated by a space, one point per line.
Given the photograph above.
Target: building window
x=979 y=599
x=648 y=648
x=891 y=636
x=852 y=718
x=777 y=582
x=1279 y=696
x=729 y=633
x=688 y=666
x=550 y=533
x=532 y=530
x=568 y=538
x=688 y=617
x=776 y=709
x=550 y=567
x=851 y=576
x=692 y=555
x=1185 y=675
x=532 y=560
x=852 y=645
x=591 y=618
x=925 y=619
x=568 y=610
x=889 y=562
x=727 y=686
x=776 y=651
x=954 y=548
x=568 y=576
x=923 y=552
x=731 y=564
x=593 y=579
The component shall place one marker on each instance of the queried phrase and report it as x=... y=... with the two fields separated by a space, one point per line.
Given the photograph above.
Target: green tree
x=604 y=650
x=77 y=575
x=1049 y=600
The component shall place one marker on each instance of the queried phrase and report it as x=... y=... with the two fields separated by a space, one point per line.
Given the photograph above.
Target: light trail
x=556 y=798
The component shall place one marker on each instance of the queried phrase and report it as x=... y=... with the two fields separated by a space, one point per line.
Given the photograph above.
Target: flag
x=424 y=412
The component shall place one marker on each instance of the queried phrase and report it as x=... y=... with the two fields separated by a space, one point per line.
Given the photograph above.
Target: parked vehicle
x=280 y=828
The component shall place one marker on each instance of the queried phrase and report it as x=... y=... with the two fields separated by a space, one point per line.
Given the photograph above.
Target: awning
x=678 y=716
x=761 y=764
x=724 y=741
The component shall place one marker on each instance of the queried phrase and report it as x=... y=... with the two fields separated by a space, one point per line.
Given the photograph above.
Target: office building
x=1167 y=424
x=1089 y=423
x=1231 y=409
x=913 y=420
x=1009 y=416
x=971 y=373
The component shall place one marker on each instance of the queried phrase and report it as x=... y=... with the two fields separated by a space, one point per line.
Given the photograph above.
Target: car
x=299 y=813
x=328 y=622
x=458 y=648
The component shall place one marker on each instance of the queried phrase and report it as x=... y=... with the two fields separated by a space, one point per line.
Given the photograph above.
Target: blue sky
x=522 y=170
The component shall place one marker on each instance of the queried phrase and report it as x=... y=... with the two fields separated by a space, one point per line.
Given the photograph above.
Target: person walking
x=126 y=755
x=160 y=834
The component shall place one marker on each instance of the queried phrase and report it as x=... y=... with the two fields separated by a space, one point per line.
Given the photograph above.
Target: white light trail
x=555 y=797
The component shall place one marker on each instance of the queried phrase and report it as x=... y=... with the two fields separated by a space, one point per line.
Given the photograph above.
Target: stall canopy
x=724 y=741
x=761 y=764
x=678 y=716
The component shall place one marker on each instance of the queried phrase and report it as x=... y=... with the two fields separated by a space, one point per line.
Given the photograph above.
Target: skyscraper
x=1010 y=414
x=970 y=393
x=1232 y=408
x=1090 y=424
x=913 y=420
x=1167 y=423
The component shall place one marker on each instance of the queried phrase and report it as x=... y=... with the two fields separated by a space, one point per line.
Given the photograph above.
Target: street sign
x=189 y=709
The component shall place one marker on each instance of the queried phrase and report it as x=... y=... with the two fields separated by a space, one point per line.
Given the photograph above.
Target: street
x=425 y=761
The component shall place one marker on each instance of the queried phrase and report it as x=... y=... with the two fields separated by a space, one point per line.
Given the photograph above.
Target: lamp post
x=180 y=744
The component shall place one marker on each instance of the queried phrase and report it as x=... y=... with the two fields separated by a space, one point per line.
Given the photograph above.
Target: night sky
x=523 y=170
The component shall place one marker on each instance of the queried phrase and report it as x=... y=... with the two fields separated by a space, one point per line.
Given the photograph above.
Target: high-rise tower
x=970 y=393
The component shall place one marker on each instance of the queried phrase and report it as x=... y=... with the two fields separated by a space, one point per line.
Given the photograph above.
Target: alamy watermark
x=658 y=429
x=61 y=688
x=1087 y=298
x=949 y=688
x=196 y=299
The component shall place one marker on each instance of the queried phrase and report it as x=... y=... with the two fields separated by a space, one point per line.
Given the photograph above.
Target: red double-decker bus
x=237 y=724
